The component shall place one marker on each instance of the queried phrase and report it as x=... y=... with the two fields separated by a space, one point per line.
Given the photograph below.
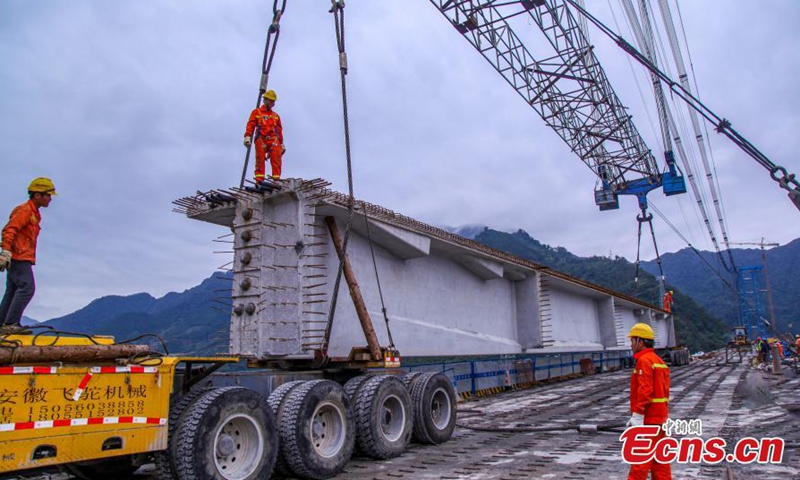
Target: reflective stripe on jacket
x=21 y=232
x=268 y=123
x=650 y=387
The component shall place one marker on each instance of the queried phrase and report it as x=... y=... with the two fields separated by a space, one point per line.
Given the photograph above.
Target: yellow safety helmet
x=642 y=330
x=270 y=95
x=42 y=185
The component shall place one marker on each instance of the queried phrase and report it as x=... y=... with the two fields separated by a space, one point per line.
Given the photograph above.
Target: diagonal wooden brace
x=355 y=292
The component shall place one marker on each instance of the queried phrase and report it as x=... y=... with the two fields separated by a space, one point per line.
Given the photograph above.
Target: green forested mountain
x=687 y=271
x=190 y=322
x=694 y=326
x=196 y=320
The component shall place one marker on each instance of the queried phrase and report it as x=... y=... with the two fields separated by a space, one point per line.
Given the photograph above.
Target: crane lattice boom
x=564 y=82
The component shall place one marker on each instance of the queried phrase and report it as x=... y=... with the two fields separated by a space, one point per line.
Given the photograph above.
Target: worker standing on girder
x=797 y=345
x=668 y=301
x=18 y=253
x=649 y=396
x=265 y=123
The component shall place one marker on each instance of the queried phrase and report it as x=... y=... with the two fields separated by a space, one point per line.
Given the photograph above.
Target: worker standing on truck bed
x=18 y=253
x=265 y=123
x=649 y=396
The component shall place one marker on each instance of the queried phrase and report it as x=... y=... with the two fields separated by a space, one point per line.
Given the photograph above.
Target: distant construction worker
x=765 y=351
x=265 y=123
x=668 y=301
x=18 y=253
x=649 y=396
x=797 y=345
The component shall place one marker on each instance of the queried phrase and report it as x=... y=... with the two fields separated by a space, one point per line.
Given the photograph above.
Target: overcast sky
x=129 y=105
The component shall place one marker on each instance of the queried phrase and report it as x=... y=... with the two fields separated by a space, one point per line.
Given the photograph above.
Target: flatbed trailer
x=110 y=408
x=496 y=435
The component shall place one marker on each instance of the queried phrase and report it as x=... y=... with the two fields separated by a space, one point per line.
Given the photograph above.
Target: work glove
x=283 y=151
x=637 y=420
x=247 y=142
x=5 y=259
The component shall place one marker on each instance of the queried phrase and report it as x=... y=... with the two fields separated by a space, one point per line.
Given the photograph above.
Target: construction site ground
x=491 y=442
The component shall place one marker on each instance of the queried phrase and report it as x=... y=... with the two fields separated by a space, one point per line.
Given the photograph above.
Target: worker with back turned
x=649 y=396
x=18 y=253
x=265 y=124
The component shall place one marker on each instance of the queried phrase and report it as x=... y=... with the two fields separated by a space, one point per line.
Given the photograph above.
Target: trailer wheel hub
x=225 y=445
x=440 y=408
x=393 y=418
x=328 y=430
x=238 y=447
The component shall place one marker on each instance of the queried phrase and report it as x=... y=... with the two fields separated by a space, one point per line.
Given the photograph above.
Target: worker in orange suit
x=265 y=124
x=668 y=301
x=649 y=396
x=18 y=254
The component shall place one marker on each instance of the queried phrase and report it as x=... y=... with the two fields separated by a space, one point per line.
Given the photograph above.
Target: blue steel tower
x=751 y=284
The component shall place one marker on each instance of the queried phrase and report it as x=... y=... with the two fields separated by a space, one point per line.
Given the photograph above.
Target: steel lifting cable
x=787 y=181
x=643 y=33
x=642 y=218
x=337 y=9
x=672 y=36
x=377 y=277
x=689 y=244
x=638 y=250
x=658 y=256
x=273 y=33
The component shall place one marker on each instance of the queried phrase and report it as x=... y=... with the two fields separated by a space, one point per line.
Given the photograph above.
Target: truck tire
x=226 y=434
x=383 y=416
x=117 y=467
x=317 y=429
x=434 y=401
x=353 y=385
x=276 y=401
x=165 y=467
x=408 y=379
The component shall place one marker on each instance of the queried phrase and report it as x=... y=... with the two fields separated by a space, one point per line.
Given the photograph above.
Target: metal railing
x=490 y=374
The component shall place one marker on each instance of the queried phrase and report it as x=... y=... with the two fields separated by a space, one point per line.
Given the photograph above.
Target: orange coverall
x=668 y=302
x=22 y=231
x=269 y=140
x=650 y=397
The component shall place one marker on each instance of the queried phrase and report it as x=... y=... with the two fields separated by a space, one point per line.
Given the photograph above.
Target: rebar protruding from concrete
x=355 y=292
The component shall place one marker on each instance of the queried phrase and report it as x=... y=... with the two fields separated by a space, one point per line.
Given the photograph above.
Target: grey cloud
x=128 y=105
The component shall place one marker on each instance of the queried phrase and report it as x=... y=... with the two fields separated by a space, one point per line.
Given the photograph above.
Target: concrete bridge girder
x=444 y=295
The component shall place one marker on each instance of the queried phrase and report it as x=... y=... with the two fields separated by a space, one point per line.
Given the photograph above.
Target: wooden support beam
x=355 y=292
x=69 y=353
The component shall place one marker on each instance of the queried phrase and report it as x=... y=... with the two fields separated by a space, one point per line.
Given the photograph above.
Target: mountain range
x=703 y=276
x=195 y=321
x=694 y=326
